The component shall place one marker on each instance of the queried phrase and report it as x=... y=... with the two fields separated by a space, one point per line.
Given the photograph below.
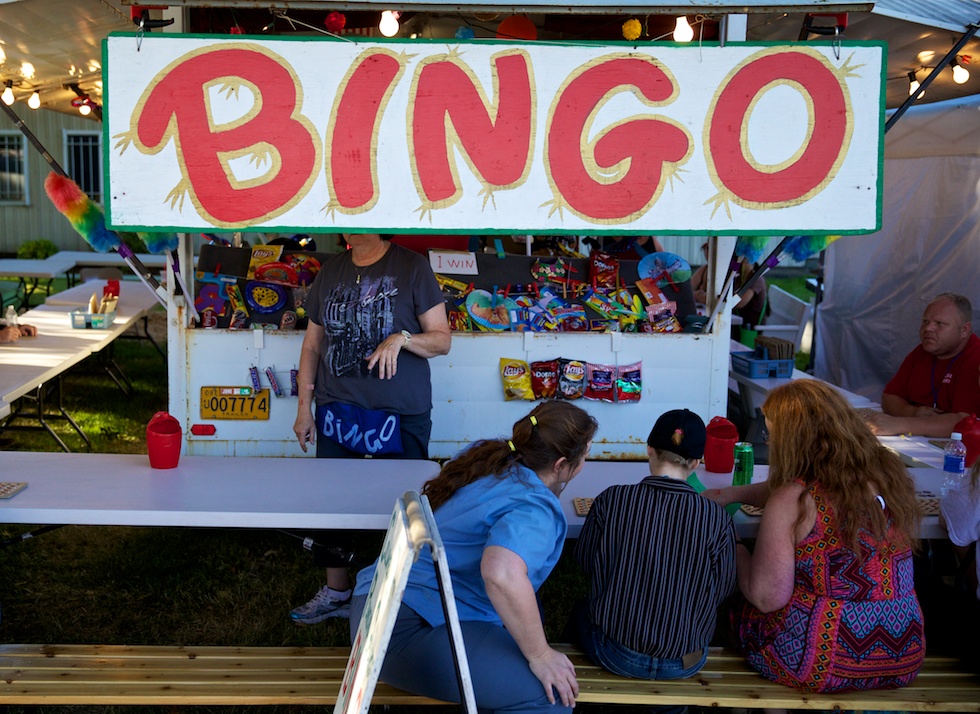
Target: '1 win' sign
x=307 y=134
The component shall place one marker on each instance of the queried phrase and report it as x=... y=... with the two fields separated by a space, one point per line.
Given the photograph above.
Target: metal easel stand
x=41 y=415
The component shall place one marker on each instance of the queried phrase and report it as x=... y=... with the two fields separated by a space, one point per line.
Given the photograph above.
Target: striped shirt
x=661 y=559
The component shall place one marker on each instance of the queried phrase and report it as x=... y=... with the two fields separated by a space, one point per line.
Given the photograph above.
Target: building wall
x=39 y=218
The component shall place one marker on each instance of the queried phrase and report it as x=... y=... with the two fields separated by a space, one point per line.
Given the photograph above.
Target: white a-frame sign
x=412 y=527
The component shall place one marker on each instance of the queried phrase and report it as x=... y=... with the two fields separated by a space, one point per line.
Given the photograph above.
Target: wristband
x=407 y=335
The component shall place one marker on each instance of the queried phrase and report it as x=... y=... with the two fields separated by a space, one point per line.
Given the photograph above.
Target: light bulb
x=961 y=75
x=35 y=101
x=683 y=32
x=913 y=87
x=84 y=110
x=389 y=23
x=8 y=95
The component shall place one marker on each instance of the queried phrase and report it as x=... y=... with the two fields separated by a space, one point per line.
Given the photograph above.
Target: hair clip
x=511 y=445
x=534 y=420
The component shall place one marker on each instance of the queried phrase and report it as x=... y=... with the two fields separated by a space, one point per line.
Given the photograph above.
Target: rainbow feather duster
x=159 y=243
x=800 y=248
x=83 y=214
x=751 y=247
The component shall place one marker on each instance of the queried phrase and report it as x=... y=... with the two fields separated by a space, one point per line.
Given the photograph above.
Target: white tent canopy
x=878 y=285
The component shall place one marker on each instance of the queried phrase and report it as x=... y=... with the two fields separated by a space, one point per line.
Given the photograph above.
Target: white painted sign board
x=412 y=527
x=311 y=134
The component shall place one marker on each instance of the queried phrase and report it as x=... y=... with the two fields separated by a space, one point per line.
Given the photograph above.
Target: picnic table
x=31 y=368
x=29 y=275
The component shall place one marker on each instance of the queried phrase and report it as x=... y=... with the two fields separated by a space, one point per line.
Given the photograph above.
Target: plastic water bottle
x=954 y=463
x=11 y=317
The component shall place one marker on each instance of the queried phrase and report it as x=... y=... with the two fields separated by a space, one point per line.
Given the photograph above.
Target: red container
x=969 y=427
x=163 y=441
x=719 y=446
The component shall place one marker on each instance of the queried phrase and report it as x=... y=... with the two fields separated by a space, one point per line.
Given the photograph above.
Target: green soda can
x=744 y=463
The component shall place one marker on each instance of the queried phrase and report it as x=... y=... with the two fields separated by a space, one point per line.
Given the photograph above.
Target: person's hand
x=700 y=296
x=305 y=429
x=386 y=356
x=28 y=331
x=882 y=424
x=9 y=334
x=925 y=411
x=557 y=673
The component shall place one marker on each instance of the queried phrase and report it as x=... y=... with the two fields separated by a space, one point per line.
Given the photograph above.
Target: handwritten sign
x=305 y=134
x=455 y=262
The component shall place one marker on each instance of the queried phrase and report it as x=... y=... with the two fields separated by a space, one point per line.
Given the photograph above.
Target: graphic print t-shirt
x=358 y=316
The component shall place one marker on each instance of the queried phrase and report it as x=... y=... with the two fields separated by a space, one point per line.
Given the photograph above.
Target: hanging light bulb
x=35 y=101
x=914 y=86
x=961 y=75
x=8 y=93
x=389 y=23
x=84 y=110
x=683 y=32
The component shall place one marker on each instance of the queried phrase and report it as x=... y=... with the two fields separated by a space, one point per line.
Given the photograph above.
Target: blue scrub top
x=516 y=511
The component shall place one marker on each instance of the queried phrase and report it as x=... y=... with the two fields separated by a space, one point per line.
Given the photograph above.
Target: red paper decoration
x=335 y=22
x=236 y=30
x=517 y=27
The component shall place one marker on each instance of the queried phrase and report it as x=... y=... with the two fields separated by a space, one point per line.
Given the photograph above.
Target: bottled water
x=11 y=317
x=954 y=463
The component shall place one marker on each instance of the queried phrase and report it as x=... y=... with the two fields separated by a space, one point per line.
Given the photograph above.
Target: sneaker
x=324 y=605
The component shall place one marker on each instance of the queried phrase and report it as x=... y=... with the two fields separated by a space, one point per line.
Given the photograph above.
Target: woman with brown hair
x=503 y=528
x=829 y=598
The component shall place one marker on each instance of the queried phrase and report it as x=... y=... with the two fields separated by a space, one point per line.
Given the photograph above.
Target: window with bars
x=83 y=154
x=13 y=168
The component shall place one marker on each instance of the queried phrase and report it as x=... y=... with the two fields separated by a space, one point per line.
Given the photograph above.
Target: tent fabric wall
x=877 y=286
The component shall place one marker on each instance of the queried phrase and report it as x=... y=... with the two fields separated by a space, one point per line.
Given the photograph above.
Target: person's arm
x=309 y=357
x=766 y=575
x=897 y=406
x=512 y=595
x=699 y=284
x=934 y=424
x=434 y=340
x=754 y=494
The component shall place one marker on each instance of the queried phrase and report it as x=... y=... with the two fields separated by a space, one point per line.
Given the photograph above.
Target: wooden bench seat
x=120 y=674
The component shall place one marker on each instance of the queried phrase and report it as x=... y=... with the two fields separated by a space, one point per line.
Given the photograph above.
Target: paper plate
x=478 y=304
x=655 y=265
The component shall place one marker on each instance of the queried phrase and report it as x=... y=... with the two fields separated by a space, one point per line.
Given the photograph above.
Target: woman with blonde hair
x=497 y=509
x=830 y=603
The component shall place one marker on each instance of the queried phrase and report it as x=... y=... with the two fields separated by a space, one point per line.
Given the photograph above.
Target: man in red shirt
x=936 y=385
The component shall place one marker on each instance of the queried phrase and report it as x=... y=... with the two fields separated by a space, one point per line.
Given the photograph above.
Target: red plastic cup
x=719 y=446
x=163 y=441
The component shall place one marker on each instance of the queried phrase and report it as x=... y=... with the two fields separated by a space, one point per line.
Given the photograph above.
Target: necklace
x=945 y=380
x=359 y=269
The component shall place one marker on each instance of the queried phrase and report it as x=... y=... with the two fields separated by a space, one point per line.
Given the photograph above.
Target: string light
x=961 y=75
x=84 y=110
x=683 y=32
x=35 y=101
x=8 y=93
x=914 y=85
x=389 y=23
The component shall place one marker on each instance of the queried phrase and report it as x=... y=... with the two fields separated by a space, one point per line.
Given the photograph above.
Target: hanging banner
x=319 y=135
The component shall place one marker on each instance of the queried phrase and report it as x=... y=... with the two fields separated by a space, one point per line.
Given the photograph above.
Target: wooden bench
x=176 y=676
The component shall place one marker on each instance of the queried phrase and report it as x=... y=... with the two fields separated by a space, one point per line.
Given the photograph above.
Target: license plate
x=234 y=403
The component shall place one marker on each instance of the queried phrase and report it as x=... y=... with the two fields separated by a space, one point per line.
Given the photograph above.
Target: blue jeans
x=419 y=660
x=608 y=653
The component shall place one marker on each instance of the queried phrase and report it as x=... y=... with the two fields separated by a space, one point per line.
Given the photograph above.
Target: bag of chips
x=571 y=378
x=629 y=382
x=516 y=377
x=603 y=270
x=599 y=382
x=544 y=379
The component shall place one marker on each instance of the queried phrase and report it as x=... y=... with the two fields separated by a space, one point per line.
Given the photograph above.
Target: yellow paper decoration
x=632 y=29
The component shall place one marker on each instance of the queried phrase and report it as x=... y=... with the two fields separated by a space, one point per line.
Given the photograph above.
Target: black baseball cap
x=680 y=431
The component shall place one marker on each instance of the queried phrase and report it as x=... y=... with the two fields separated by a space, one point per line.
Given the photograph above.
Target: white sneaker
x=324 y=605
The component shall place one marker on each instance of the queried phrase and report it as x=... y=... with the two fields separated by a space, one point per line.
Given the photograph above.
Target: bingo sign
x=306 y=134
